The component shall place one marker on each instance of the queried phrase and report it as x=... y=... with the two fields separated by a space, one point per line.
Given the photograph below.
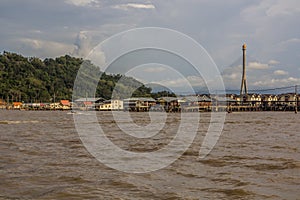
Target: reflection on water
x=256 y=157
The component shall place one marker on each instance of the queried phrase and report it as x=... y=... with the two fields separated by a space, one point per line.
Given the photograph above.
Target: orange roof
x=2 y=102
x=65 y=102
x=17 y=103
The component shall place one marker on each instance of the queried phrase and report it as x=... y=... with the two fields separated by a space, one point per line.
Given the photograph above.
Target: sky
x=270 y=28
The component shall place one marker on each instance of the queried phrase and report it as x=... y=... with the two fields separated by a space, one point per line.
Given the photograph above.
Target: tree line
x=35 y=80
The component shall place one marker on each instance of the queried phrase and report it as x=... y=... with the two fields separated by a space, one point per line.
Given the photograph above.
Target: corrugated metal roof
x=89 y=99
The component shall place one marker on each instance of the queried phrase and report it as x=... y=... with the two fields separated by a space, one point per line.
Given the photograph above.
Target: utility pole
x=54 y=101
x=296 y=99
x=86 y=106
x=7 y=102
x=217 y=108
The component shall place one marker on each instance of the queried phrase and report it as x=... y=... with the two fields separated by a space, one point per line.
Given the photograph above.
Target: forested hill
x=36 y=80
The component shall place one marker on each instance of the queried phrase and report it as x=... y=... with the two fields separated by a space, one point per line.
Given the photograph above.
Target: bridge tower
x=244 y=84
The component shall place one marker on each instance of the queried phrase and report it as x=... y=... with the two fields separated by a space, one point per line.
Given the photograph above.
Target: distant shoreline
x=213 y=109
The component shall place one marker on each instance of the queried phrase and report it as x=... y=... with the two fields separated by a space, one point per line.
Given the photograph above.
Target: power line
x=272 y=89
x=266 y=89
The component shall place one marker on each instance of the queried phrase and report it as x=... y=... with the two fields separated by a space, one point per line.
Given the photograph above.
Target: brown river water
x=257 y=157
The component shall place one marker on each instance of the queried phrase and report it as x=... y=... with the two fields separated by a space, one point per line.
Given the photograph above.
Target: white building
x=269 y=99
x=111 y=105
x=287 y=99
x=253 y=99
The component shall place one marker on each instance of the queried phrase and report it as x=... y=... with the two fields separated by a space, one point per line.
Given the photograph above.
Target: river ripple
x=256 y=157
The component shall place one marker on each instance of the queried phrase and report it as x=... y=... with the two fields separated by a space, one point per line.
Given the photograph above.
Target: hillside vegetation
x=36 y=80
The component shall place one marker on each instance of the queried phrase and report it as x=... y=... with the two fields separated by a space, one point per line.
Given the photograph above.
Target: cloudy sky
x=43 y=28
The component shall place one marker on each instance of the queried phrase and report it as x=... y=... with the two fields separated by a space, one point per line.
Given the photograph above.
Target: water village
x=198 y=103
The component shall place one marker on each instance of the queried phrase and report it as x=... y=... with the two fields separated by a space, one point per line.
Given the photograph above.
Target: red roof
x=88 y=103
x=65 y=102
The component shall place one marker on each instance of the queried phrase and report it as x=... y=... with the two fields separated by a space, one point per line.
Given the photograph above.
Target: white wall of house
x=112 y=105
x=287 y=99
x=254 y=99
x=117 y=105
x=105 y=106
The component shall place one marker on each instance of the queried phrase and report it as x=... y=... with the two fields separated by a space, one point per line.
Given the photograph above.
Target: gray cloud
x=280 y=72
x=134 y=6
x=83 y=2
x=269 y=27
x=83 y=44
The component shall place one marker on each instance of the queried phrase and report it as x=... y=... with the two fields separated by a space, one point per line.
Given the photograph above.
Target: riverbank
x=228 y=109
